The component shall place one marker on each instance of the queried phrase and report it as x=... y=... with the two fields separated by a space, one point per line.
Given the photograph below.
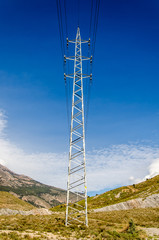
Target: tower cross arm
x=74 y=57
x=71 y=75
x=81 y=41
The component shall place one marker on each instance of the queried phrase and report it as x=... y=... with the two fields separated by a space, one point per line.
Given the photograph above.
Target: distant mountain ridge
x=29 y=190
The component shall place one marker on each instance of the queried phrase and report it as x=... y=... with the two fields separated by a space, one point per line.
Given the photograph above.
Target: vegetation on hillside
x=7 y=200
x=122 y=194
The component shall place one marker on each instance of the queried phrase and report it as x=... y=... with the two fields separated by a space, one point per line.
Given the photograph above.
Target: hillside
x=29 y=190
x=7 y=200
x=146 y=190
x=122 y=194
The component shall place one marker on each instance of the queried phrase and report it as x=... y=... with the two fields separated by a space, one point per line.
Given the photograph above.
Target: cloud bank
x=106 y=168
x=153 y=169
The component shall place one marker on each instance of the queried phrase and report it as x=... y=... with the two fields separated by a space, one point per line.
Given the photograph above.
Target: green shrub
x=132 y=227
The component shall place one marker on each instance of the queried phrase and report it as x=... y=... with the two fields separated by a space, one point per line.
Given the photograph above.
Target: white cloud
x=153 y=169
x=115 y=165
x=120 y=165
x=2 y=122
x=49 y=168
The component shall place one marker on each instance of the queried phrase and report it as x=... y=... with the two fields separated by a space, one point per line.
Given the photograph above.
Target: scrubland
x=125 y=224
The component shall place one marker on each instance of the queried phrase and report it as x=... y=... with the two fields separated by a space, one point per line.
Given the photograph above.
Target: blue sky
x=124 y=105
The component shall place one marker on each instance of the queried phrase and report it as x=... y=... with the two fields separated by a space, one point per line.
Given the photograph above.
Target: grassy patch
x=7 y=200
x=148 y=217
x=59 y=208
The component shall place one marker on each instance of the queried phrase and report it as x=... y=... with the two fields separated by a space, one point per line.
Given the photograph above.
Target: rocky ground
x=152 y=232
x=150 y=201
x=40 y=211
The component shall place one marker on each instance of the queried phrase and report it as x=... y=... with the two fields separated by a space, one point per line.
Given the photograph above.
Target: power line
x=91 y=19
x=87 y=106
x=67 y=106
x=94 y=16
x=61 y=32
x=92 y=52
x=67 y=83
x=66 y=18
x=60 y=26
x=97 y=16
x=95 y=27
x=89 y=82
x=78 y=9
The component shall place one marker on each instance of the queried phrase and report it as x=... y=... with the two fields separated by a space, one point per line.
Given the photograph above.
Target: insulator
x=91 y=77
x=67 y=42
x=64 y=59
x=65 y=77
x=91 y=59
x=89 y=42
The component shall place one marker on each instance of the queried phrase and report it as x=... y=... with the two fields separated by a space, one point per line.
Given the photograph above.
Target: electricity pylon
x=76 y=212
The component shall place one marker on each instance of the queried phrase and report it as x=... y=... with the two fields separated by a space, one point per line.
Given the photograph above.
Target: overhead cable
x=95 y=26
x=60 y=26
x=66 y=18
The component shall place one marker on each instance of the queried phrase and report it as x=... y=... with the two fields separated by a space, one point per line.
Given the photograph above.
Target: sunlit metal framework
x=76 y=212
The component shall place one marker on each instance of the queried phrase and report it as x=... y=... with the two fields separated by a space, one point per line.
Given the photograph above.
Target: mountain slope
x=27 y=189
x=148 y=202
x=122 y=194
x=7 y=200
x=125 y=195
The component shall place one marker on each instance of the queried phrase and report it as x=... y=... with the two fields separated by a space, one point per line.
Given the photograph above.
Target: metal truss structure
x=76 y=212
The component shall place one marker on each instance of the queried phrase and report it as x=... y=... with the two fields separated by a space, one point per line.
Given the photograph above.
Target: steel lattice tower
x=76 y=212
